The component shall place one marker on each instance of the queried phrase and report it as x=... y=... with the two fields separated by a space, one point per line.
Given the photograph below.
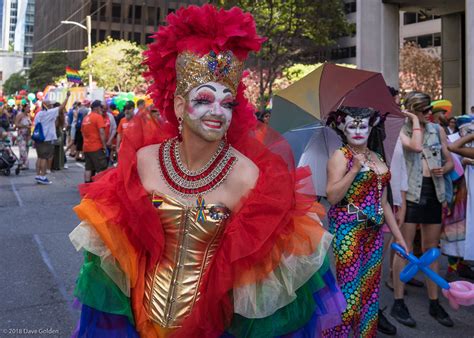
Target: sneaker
x=465 y=271
x=384 y=326
x=48 y=171
x=438 y=313
x=400 y=313
x=66 y=166
x=43 y=180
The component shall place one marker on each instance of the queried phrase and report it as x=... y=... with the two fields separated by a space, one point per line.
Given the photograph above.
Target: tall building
x=134 y=20
x=419 y=27
x=17 y=17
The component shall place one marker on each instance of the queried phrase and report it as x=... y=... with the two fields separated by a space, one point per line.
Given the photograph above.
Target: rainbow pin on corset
x=201 y=206
x=156 y=201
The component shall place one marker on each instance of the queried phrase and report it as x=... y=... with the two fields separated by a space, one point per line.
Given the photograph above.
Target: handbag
x=38 y=135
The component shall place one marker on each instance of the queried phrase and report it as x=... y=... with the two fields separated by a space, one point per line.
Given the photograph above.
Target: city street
x=39 y=265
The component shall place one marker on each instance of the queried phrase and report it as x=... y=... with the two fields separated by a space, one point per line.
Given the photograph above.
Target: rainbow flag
x=72 y=75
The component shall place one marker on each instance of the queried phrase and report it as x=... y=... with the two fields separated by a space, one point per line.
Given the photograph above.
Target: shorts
x=428 y=210
x=95 y=161
x=45 y=150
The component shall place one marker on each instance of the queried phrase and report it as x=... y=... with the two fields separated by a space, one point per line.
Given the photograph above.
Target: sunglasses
x=427 y=110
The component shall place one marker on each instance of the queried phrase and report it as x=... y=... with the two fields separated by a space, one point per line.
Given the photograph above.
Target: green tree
x=296 y=30
x=45 y=68
x=115 y=65
x=15 y=83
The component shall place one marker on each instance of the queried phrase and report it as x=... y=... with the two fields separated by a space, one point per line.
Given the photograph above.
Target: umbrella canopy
x=325 y=89
x=312 y=146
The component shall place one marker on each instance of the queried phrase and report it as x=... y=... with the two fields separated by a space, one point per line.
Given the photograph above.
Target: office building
x=134 y=20
x=17 y=17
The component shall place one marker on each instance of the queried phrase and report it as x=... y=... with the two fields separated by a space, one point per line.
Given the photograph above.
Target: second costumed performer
x=356 y=189
x=200 y=230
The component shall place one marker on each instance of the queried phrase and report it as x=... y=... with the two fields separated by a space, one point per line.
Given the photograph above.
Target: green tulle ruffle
x=95 y=289
x=287 y=319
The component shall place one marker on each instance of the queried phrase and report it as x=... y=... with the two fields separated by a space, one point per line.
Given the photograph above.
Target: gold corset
x=173 y=288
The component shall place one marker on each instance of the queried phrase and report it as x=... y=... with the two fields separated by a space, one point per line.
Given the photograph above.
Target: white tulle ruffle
x=84 y=236
x=264 y=298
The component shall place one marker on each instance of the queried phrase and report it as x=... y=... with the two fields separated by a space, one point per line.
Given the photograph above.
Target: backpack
x=38 y=135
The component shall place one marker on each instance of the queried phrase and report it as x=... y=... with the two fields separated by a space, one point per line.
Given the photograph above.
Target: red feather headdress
x=201 y=30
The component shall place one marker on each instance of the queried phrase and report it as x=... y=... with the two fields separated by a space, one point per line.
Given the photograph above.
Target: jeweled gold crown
x=192 y=70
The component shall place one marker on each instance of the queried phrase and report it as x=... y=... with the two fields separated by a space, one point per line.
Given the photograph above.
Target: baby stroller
x=7 y=158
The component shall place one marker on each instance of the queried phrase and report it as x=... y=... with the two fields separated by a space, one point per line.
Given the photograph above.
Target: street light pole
x=89 y=44
x=89 y=50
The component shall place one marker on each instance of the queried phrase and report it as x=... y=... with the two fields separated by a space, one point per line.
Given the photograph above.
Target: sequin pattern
x=357 y=249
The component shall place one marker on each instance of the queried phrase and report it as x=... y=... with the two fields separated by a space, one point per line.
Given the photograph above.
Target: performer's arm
x=339 y=179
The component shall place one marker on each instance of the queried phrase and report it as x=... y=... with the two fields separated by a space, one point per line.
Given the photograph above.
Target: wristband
x=416 y=129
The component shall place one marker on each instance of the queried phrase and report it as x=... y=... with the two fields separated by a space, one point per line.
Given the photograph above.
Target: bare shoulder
x=148 y=152
x=337 y=157
x=147 y=157
x=245 y=173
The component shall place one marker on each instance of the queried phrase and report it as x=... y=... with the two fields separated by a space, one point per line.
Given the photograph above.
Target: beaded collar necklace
x=188 y=183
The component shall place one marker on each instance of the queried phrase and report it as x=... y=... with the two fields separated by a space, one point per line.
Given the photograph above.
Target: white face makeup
x=357 y=131
x=209 y=110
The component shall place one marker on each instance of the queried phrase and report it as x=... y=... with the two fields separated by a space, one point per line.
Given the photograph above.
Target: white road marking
x=47 y=262
x=17 y=195
x=80 y=165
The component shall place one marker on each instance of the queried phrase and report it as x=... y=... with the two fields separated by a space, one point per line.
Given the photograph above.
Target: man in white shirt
x=45 y=150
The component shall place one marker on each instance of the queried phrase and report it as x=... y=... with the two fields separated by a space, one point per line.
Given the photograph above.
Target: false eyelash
x=200 y=101
x=233 y=104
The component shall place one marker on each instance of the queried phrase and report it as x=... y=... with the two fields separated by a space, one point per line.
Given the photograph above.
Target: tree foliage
x=295 y=30
x=15 y=83
x=420 y=70
x=115 y=65
x=45 y=68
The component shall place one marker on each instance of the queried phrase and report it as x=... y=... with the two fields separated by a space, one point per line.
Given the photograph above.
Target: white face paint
x=357 y=131
x=209 y=110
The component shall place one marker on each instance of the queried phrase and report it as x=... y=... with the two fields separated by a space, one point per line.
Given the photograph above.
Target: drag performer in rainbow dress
x=356 y=191
x=201 y=230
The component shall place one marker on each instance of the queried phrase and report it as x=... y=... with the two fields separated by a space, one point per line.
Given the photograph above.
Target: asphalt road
x=38 y=265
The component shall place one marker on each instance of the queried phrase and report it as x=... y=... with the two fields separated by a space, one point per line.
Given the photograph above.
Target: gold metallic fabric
x=192 y=71
x=172 y=289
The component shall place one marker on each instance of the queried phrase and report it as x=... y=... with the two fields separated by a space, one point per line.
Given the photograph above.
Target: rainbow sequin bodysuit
x=358 y=242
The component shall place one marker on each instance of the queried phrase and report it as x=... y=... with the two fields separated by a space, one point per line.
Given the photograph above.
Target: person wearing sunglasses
x=427 y=160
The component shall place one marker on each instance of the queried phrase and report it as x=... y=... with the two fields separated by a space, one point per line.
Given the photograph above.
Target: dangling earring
x=180 y=129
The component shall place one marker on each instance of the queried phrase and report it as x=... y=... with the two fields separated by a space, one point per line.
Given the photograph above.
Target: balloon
x=11 y=102
x=130 y=96
x=39 y=95
x=460 y=293
x=120 y=103
x=22 y=92
x=422 y=264
x=31 y=96
x=108 y=101
x=23 y=101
